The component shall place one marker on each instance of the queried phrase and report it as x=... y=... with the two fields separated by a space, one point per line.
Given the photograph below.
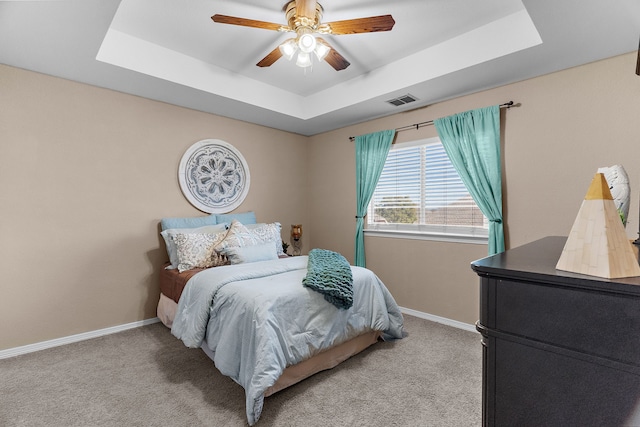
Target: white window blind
x=420 y=193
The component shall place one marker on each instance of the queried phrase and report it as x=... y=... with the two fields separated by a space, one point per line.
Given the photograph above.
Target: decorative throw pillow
x=264 y=233
x=172 y=251
x=237 y=236
x=240 y=255
x=197 y=250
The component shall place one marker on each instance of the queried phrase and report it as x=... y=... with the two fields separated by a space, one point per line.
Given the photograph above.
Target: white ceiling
x=171 y=51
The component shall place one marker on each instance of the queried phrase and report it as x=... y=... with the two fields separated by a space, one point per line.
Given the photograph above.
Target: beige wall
x=87 y=173
x=567 y=125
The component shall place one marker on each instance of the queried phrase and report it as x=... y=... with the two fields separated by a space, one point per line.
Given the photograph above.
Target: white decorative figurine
x=620 y=189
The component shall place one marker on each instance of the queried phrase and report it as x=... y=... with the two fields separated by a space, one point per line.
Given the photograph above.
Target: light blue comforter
x=258 y=319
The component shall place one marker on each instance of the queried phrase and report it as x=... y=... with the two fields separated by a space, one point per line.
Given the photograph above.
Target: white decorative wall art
x=214 y=176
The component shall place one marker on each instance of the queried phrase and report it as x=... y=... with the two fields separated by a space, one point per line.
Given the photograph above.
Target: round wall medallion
x=214 y=176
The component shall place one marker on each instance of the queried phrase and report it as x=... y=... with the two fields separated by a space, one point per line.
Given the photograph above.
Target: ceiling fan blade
x=333 y=58
x=360 y=25
x=272 y=57
x=224 y=19
x=306 y=8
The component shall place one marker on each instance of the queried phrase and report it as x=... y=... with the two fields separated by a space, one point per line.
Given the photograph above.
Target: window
x=420 y=195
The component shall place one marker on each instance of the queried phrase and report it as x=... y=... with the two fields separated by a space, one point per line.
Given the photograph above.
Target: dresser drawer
x=533 y=387
x=604 y=324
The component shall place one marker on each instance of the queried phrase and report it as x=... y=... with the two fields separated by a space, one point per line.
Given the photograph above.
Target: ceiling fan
x=304 y=18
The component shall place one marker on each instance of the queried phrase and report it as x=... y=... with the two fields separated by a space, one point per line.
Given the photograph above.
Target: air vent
x=401 y=100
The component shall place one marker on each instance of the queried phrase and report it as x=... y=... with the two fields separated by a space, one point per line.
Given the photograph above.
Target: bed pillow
x=196 y=250
x=237 y=236
x=201 y=221
x=255 y=253
x=168 y=235
x=244 y=217
x=264 y=233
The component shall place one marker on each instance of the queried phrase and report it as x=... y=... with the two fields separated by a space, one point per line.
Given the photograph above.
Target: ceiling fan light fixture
x=321 y=51
x=304 y=60
x=288 y=49
x=307 y=43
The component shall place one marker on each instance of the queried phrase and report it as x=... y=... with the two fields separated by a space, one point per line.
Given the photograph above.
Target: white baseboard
x=443 y=320
x=16 y=351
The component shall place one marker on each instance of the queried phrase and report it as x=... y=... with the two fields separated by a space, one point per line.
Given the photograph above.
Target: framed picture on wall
x=214 y=176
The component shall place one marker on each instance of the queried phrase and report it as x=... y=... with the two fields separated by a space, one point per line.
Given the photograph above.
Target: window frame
x=443 y=233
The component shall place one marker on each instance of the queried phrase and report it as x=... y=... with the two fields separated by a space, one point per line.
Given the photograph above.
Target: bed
x=266 y=330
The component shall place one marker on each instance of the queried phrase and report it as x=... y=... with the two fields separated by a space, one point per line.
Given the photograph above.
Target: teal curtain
x=472 y=142
x=371 y=155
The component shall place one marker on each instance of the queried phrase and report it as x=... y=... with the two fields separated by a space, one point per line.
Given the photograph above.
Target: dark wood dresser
x=560 y=349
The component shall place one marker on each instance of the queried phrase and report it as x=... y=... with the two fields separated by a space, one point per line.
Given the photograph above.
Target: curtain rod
x=416 y=126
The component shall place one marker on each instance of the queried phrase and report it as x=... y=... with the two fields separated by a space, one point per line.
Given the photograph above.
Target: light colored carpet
x=146 y=377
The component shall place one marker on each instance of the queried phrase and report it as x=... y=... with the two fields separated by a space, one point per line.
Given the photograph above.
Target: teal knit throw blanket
x=330 y=274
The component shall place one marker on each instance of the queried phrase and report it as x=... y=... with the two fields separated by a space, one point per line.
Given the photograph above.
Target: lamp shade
x=321 y=51
x=307 y=43
x=304 y=60
x=288 y=48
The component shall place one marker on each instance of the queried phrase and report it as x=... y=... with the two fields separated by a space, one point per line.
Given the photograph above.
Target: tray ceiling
x=439 y=49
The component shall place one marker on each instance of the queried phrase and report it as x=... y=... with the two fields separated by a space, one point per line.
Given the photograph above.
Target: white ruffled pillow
x=241 y=236
x=264 y=233
x=238 y=236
